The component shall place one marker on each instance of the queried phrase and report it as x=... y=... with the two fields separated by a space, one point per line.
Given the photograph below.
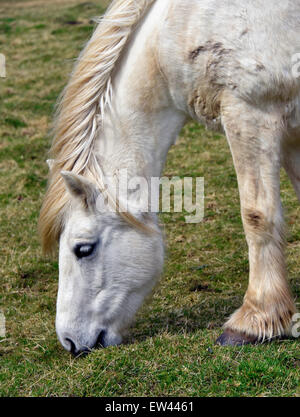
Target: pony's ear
x=80 y=188
x=50 y=163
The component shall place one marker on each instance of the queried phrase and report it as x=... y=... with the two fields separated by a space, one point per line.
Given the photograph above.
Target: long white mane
x=80 y=111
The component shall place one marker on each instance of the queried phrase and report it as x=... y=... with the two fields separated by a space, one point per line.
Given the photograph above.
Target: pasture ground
x=170 y=350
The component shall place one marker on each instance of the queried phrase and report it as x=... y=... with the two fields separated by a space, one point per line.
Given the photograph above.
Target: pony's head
x=106 y=269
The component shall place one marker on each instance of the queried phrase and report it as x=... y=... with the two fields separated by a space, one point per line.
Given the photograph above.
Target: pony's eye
x=82 y=251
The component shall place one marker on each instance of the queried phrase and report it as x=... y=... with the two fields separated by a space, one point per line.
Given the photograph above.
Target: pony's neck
x=142 y=121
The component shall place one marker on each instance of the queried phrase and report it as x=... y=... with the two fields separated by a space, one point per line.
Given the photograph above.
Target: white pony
x=149 y=65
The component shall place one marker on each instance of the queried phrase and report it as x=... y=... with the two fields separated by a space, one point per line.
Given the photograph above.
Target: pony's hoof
x=232 y=338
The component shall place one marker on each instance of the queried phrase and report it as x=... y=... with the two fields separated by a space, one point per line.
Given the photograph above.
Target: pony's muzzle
x=78 y=350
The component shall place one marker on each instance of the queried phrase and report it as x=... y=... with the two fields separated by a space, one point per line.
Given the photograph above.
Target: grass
x=170 y=349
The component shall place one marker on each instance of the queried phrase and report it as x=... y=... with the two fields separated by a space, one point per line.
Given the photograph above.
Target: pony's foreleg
x=255 y=141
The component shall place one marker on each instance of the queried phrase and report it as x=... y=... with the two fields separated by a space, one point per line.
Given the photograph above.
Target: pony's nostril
x=72 y=346
x=100 y=340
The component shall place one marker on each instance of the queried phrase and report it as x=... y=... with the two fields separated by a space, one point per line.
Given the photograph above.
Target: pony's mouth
x=83 y=351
